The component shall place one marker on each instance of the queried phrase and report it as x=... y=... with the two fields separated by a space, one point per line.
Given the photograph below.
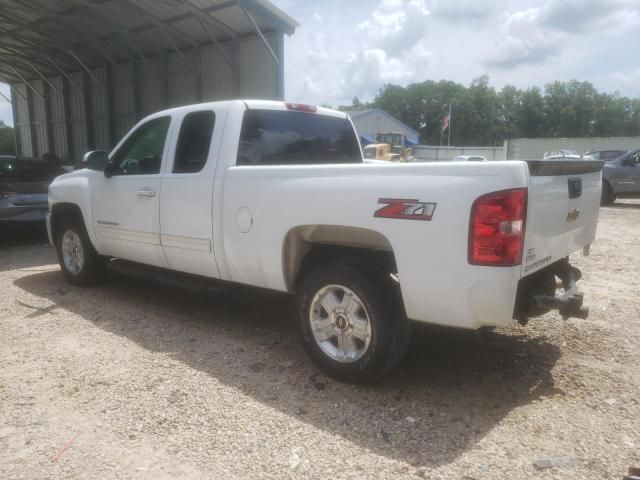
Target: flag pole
x=449 y=132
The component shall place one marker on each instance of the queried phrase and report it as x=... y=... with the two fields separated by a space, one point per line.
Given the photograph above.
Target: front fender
x=75 y=189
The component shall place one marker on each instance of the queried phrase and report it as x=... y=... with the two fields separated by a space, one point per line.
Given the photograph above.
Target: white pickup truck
x=276 y=195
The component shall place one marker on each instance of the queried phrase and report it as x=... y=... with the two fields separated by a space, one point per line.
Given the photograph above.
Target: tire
x=608 y=197
x=365 y=334
x=79 y=261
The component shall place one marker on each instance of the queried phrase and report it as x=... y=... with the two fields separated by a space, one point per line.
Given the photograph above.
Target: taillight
x=496 y=230
x=301 y=107
x=7 y=195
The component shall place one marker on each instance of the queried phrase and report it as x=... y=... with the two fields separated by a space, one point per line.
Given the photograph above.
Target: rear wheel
x=351 y=324
x=80 y=263
x=608 y=197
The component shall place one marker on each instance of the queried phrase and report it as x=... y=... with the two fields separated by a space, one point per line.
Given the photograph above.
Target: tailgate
x=562 y=212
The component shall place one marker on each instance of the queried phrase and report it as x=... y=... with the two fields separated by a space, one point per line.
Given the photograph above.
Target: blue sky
x=343 y=49
x=346 y=49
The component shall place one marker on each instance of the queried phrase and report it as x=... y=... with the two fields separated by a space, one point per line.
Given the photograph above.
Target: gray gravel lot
x=137 y=380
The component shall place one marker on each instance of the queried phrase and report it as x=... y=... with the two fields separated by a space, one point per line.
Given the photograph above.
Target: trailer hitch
x=537 y=294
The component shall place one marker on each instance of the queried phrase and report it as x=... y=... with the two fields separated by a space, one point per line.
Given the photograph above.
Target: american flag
x=445 y=121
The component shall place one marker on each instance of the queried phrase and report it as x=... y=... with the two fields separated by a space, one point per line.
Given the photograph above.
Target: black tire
x=92 y=268
x=608 y=197
x=379 y=296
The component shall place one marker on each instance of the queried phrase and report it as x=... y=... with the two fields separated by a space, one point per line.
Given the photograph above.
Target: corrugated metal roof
x=42 y=35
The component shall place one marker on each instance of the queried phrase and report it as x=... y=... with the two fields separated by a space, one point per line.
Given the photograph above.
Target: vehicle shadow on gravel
x=451 y=391
x=17 y=249
x=624 y=205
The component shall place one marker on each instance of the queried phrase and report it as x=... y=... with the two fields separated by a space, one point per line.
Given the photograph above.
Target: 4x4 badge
x=406 y=209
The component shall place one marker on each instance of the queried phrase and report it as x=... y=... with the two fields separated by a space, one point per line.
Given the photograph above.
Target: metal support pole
x=280 y=44
x=179 y=52
x=48 y=116
x=25 y=82
x=65 y=74
x=88 y=114
x=67 y=120
x=236 y=75
x=14 y=89
x=32 y=128
x=259 y=32
x=86 y=69
x=215 y=41
x=45 y=79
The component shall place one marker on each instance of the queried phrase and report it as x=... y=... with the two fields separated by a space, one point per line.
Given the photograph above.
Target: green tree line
x=483 y=116
x=7 y=140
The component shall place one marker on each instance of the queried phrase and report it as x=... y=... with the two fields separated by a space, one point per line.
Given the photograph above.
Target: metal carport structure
x=82 y=72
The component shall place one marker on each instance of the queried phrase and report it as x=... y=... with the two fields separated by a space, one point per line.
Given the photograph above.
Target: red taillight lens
x=7 y=195
x=301 y=107
x=496 y=235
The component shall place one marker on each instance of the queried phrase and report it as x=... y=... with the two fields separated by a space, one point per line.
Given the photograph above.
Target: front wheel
x=350 y=322
x=80 y=263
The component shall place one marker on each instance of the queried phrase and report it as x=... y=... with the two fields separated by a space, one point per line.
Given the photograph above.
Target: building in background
x=83 y=72
x=368 y=123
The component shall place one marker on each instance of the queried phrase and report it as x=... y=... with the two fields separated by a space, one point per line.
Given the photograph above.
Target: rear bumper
x=16 y=216
x=537 y=293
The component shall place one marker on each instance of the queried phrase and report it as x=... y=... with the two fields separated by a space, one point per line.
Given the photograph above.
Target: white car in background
x=566 y=155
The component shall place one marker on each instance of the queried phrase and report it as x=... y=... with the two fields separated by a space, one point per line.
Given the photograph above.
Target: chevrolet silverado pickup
x=277 y=195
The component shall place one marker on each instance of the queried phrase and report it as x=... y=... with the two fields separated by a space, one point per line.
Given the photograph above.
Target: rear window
x=28 y=170
x=277 y=137
x=611 y=154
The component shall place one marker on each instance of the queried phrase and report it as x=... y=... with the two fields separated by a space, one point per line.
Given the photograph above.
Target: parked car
x=23 y=190
x=276 y=195
x=560 y=154
x=470 y=158
x=606 y=155
x=621 y=177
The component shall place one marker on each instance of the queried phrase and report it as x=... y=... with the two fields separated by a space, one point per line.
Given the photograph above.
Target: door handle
x=146 y=193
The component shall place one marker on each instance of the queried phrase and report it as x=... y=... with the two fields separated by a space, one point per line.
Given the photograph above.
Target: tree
x=7 y=140
x=482 y=116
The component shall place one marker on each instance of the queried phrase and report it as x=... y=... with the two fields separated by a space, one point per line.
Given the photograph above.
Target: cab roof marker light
x=301 y=107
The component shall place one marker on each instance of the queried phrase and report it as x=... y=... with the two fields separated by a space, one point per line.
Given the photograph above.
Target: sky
x=346 y=49
x=352 y=48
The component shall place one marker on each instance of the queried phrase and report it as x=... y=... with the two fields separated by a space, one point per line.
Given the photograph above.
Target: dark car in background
x=24 y=184
x=621 y=177
x=606 y=155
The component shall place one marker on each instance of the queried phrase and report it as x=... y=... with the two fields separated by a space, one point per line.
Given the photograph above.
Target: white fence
x=531 y=148
x=428 y=153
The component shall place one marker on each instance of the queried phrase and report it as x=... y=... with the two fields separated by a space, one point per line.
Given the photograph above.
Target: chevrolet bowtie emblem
x=573 y=214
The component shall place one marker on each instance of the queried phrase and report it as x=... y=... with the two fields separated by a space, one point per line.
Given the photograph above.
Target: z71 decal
x=406 y=209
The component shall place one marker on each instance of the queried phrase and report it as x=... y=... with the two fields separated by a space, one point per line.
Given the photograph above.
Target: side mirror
x=96 y=160
x=109 y=169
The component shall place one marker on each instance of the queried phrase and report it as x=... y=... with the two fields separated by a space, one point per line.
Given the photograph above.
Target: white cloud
x=465 y=10
x=524 y=41
x=395 y=26
x=370 y=69
x=603 y=16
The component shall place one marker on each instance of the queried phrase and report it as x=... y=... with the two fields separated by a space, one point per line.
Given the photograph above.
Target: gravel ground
x=135 y=380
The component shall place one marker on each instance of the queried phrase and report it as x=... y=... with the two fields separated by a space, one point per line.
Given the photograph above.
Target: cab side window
x=194 y=141
x=141 y=154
